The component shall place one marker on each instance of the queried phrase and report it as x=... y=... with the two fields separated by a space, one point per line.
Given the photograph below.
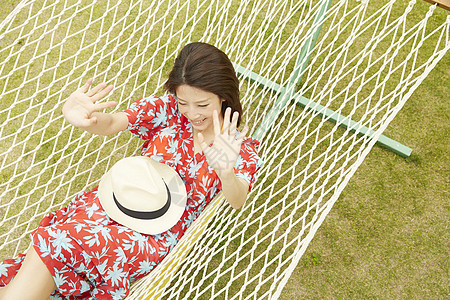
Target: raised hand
x=81 y=104
x=224 y=152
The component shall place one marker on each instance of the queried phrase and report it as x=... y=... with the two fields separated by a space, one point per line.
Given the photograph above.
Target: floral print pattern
x=89 y=255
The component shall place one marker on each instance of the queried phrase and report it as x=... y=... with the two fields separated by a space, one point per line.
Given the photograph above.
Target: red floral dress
x=89 y=255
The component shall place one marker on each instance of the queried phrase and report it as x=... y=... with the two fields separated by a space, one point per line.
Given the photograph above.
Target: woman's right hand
x=81 y=104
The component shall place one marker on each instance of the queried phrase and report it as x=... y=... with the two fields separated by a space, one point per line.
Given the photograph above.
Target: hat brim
x=151 y=226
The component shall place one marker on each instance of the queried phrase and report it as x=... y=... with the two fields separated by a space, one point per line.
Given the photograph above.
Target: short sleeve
x=248 y=162
x=151 y=114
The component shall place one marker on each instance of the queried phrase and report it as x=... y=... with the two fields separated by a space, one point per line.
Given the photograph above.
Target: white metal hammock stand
x=306 y=63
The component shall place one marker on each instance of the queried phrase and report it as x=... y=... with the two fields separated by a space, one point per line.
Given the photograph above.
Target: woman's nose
x=191 y=113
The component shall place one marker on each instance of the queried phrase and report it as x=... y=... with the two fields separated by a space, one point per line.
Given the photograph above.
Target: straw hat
x=142 y=194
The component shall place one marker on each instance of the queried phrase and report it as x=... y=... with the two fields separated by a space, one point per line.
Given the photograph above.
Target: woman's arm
x=106 y=124
x=81 y=110
x=222 y=157
x=234 y=189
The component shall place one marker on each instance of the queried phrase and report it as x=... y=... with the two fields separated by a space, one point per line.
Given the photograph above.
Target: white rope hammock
x=368 y=60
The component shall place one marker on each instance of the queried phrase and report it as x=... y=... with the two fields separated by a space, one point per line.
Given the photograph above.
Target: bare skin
x=212 y=134
x=215 y=136
x=32 y=282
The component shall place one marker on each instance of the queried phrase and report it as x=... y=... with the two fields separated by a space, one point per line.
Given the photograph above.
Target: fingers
x=105 y=105
x=85 y=122
x=93 y=120
x=98 y=92
x=216 y=123
x=228 y=127
x=95 y=90
x=242 y=134
x=234 y=122
x=102 y=93
x=202 y=142
x=226 y=121
x=86 y=86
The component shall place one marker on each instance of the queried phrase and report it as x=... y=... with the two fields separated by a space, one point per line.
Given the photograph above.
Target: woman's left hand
x=224 y=152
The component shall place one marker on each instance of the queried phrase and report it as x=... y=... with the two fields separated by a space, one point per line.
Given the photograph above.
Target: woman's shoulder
x=154 y=105
x=153 y=112
x=154 y=100
x=250 y=143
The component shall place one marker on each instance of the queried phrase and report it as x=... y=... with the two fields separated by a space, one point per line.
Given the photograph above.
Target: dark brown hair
x=207 y=68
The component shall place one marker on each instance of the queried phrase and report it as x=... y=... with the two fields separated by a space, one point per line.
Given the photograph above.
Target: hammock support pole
x=287 y=93
x=326 y=113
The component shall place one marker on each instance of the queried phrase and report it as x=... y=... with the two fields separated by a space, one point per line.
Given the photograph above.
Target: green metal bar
x=305 y=54
x=255 y=77
x=353 y=126
x=288 y=93
x=327 y=113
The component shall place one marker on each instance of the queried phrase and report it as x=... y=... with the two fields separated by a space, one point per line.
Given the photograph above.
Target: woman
x=79 y=251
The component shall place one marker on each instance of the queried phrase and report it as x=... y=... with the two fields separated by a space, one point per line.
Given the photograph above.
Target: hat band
x=145 y=215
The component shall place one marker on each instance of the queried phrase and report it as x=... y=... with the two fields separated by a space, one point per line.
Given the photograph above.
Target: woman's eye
x=203 y=105
x=181 y=103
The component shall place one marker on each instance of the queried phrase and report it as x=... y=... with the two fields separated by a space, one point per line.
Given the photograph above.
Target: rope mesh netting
x=365 y=64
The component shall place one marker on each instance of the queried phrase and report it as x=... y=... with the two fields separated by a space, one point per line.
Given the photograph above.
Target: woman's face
x=197 y=106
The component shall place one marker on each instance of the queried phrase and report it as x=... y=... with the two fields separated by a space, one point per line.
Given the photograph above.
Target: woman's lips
x=198 y=123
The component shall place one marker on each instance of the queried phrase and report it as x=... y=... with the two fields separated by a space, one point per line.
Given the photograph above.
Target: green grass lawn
x=387 y=237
